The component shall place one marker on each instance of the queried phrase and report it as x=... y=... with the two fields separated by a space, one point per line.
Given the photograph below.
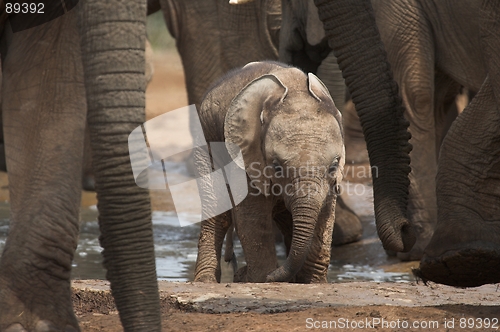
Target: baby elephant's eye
x=277 y=167
x=334 y=166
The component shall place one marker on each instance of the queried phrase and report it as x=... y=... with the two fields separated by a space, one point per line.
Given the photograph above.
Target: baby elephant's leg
x=212 y=235
x=254 y=226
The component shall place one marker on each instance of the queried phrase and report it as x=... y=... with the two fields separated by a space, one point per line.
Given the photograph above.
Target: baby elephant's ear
x=317 y=88
x=320 y=92
x=243 y=126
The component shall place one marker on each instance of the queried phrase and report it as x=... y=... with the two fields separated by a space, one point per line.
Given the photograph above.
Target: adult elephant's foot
x=465 y=248
x=35 y=308
x=473 y=265
x=41 y=326
x=347 y=227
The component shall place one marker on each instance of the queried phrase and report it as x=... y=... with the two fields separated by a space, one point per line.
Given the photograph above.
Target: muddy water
x=176 y=248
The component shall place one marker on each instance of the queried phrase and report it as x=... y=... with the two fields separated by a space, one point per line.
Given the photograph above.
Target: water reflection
x=176 y=251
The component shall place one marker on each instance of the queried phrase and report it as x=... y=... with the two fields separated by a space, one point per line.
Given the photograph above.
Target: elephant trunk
x=353 y=36
x=113 y=41
x=305 y=205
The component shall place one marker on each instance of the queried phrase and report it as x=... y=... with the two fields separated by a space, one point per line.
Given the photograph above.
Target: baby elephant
x=289 y=133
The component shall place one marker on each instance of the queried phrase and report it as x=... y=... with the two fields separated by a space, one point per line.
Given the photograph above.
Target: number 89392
x=24 y=8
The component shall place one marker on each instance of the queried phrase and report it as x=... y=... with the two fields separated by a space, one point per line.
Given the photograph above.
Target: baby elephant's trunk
x=305 y=206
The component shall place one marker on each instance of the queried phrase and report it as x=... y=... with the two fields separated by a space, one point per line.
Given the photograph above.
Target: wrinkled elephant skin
x=430 y=65
x=56 y=77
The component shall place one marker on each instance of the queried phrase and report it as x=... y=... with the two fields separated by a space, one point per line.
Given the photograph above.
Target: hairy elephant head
x=290 y=135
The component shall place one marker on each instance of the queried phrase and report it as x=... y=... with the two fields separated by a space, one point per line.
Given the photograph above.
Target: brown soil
x=174 y=319
x=96 y=312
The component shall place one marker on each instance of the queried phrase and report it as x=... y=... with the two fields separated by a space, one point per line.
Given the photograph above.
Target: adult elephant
x=238 y=35
x=45 y=100
x=430 y=64
x=465 y=247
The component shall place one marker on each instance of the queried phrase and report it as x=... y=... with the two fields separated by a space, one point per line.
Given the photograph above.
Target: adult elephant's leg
x=348 y=227
x=44 y=112
x=113 y=41
x=465 y=248
x=412 y=60
x=355 y=144
x=330 y=73
x=352 y=33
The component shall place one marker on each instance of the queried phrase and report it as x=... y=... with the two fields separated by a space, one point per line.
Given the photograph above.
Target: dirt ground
x=179 y=320
x=446 y=306
x=291 y=307
x=174 y=319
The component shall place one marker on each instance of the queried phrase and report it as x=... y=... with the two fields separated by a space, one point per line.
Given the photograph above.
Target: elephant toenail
x=16 y=328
